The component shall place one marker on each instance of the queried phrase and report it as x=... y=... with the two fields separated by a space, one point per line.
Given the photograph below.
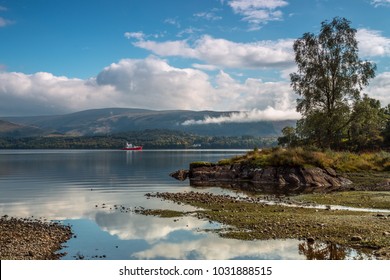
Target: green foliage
x=289 y=137
x=368 y=122
x=329 y=80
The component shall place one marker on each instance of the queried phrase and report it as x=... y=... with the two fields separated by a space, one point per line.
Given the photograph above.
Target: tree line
x=149 y=139
x=330 y=79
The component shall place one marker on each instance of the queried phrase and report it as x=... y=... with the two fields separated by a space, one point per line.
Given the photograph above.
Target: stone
x=180 y=175
x=356 y=238
x=331 y=172
x=292 y=179
x=268 y=175
x=281 y=181
x=310 y=240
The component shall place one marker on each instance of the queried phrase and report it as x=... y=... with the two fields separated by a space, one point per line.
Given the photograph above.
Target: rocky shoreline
x=301 y=177
x=250 y=219
x=31 y=239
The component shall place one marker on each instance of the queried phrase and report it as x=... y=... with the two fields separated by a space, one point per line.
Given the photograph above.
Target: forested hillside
x=149 y=139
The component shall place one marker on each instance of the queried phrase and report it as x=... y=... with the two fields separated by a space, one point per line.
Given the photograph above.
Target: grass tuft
x=299 y=157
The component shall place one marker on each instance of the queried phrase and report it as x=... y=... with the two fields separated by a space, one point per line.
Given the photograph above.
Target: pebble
x=31 y=239
x=310 y=239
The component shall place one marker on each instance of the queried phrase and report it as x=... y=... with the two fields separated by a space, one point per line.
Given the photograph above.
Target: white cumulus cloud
x=257 y=12
x=137 y=35
x=373 y=43
x=380 y=88
x=168 y=48
x=44 y=93
x=225 y=53
x=153 y=83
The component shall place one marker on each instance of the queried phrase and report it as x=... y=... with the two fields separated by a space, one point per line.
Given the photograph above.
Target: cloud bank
x=266 y=54
x=150 y=83
x=269 y=114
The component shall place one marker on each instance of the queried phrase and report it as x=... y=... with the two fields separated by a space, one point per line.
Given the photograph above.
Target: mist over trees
x=330 y=79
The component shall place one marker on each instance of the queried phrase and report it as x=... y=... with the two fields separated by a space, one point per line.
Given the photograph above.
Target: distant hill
x=118 y=120
x=9 y=129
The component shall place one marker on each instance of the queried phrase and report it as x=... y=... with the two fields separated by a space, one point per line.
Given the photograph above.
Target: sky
x=60 y=56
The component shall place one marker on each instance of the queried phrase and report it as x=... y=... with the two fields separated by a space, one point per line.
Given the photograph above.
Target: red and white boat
x=130 y=147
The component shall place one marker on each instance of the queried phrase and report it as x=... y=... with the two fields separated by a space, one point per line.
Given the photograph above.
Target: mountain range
x=110 y=121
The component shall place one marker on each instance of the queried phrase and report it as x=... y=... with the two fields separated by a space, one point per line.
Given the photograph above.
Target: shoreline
x=249 y=219
x=32 y=239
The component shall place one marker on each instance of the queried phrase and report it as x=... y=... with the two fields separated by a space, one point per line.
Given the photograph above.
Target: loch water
x=97 y=191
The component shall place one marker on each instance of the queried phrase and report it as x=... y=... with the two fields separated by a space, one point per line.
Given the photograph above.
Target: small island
x=294 y=168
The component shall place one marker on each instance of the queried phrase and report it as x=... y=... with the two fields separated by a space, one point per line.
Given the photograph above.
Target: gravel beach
x=31 y=239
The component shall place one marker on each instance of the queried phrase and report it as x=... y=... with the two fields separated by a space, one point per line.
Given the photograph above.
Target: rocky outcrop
x=280 y=176
x=180 y=175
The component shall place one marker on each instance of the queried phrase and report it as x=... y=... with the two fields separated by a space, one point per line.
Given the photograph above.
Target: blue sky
x=60 y=56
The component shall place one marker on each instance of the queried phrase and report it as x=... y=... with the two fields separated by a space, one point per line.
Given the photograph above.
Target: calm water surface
x=82 y=187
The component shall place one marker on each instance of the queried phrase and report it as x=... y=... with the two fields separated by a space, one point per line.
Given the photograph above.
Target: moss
x=367 y=180
x=224 y=162
x=161 y=213
x=359 y=199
